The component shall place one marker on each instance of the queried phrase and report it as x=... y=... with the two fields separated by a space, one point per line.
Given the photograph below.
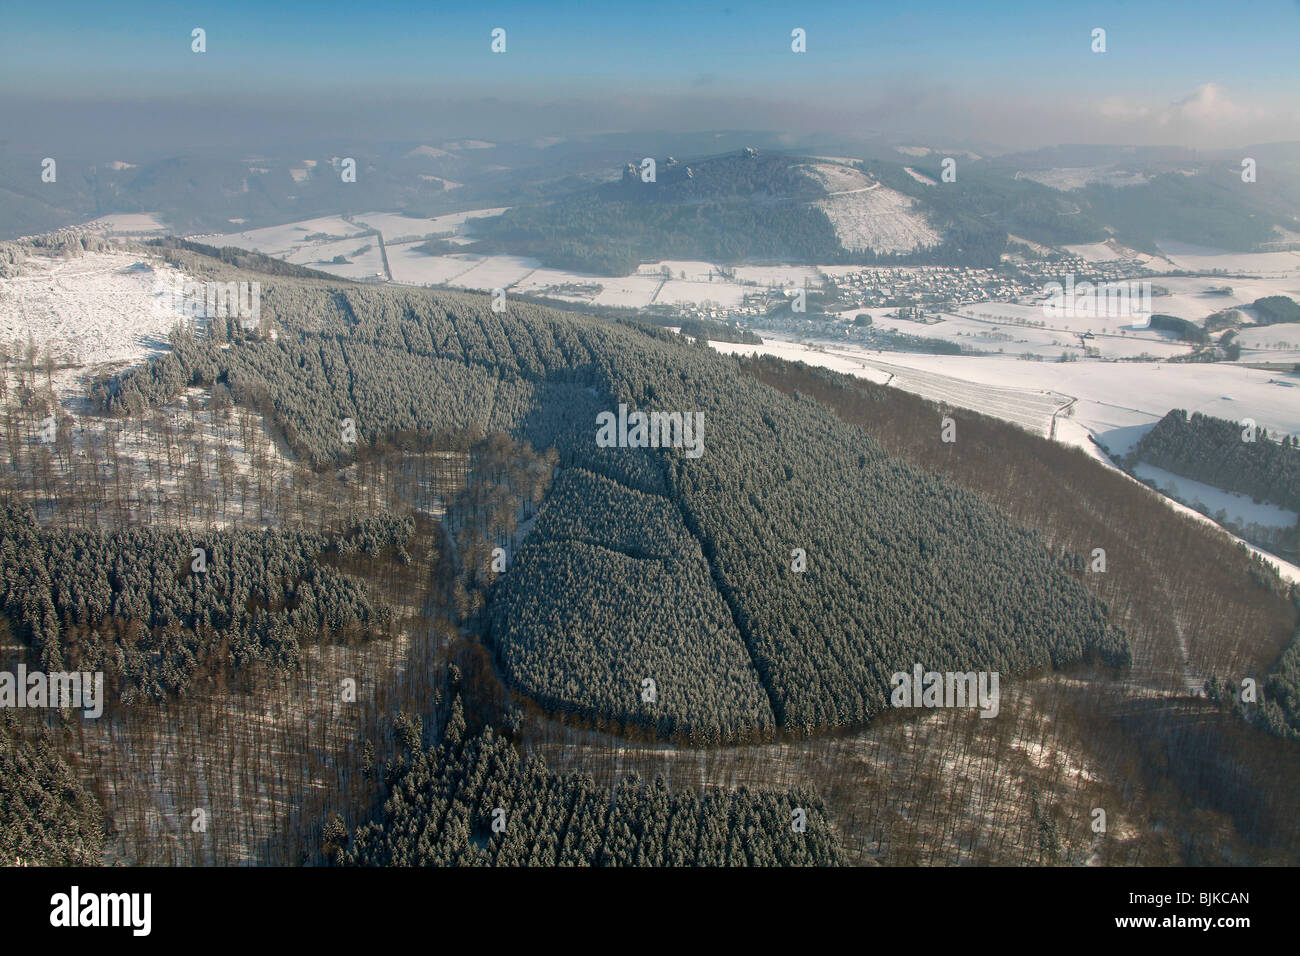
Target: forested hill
x=696 y=557
x=722 y=209
x=771 y=205
x=1200 y=203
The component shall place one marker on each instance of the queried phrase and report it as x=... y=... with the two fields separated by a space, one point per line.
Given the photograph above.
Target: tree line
x=472 y=800
x=157 y=610
x=1216 y=451
x=1275 y=309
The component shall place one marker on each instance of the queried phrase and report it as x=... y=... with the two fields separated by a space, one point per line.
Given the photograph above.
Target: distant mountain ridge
x=583 y=203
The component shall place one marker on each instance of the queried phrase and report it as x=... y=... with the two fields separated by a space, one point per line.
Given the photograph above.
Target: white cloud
x=1208 y=103
x=1207 y=116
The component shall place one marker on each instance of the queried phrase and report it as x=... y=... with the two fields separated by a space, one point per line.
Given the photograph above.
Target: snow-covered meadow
x=1237 y=508
x=1205 y=259
x=285 y=240
x=1117 y=402
x=102 y=308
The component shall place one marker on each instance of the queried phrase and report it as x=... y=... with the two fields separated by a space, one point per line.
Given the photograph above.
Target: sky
x=1012 y=75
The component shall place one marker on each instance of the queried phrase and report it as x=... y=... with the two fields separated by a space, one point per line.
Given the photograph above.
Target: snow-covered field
x=1030 y=407
x=362 y=253
x=1002 y=327
x=526 y=275
x=516 y=274
x=627 y=291
x=286 y=240
x=1239 y=508
x=1181 y=255
x=412 y=267
x=102 y=308
x=559 y=284
x=335 y=236
x=397 y=227
x=129 y=224
x=779 y=275
x=1110 y=251
x=1192 y=298
x=110 y=310
x=496 y=272
x=1204 y=259
x=692 y=270
x=1076 y=177
x=1276 y=343
x=677 y=292
x=823 y=356
x=1117 y=402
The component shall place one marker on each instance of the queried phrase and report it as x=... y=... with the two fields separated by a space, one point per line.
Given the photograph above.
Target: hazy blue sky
x=1022 y=74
